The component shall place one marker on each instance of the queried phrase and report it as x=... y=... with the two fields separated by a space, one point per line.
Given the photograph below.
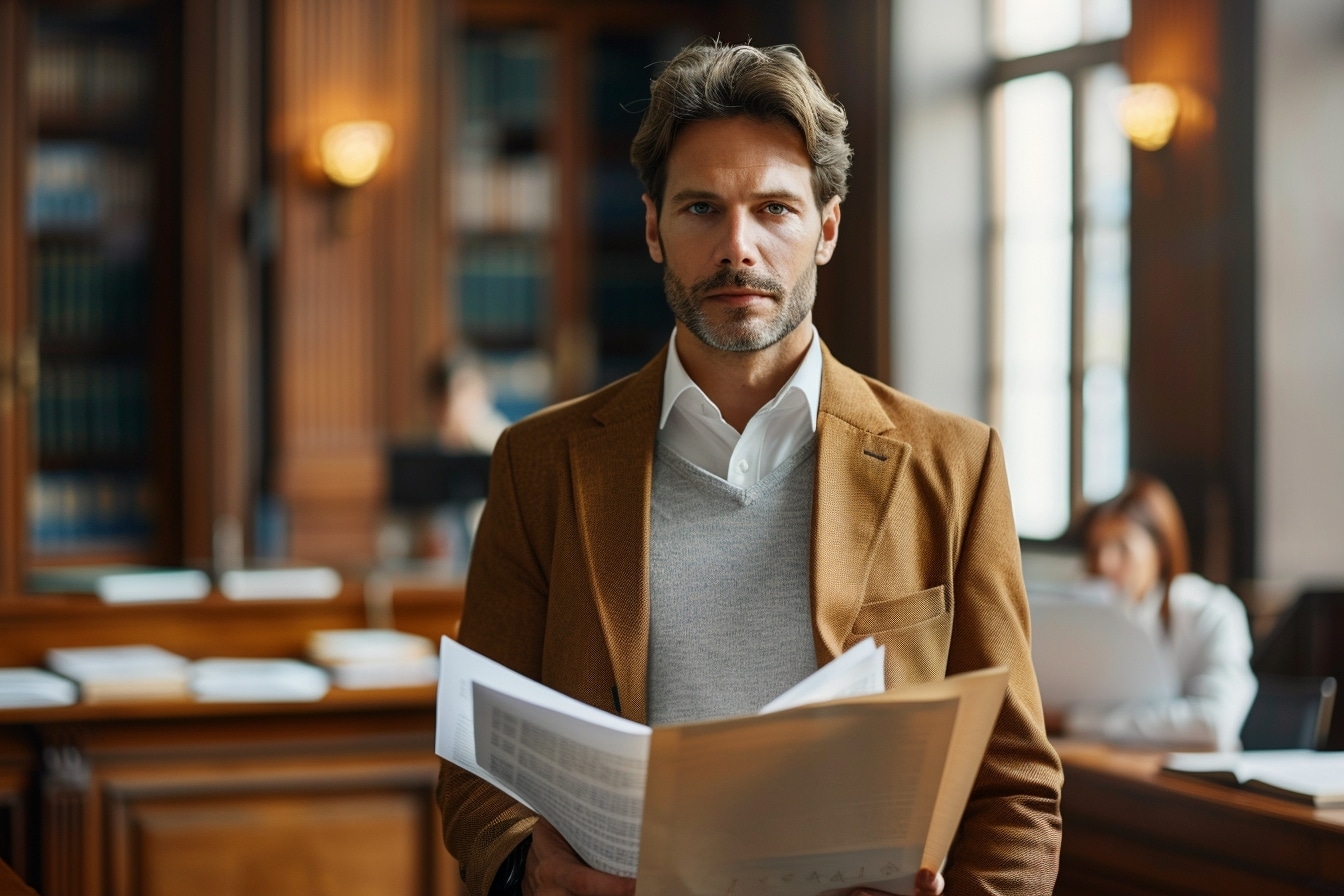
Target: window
x=1059 y=255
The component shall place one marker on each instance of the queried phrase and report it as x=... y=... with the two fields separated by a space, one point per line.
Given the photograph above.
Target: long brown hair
x=1148 y=503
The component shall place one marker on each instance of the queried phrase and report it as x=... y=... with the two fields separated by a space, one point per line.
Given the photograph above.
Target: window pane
x=1028 y=27
x=1106 y=177
x=1105 y=19
x=1034 y=247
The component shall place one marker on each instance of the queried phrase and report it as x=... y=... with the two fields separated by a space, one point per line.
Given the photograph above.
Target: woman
x=1137 y=541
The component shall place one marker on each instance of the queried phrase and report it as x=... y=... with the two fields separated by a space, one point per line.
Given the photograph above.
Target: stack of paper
x=132 y=672
x=295 y=583
x=124 y=584
x=27 y=686
x=374 y=657
x=257 y=680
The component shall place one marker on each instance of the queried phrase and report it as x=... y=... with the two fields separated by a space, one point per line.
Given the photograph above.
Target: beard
x=743 y=330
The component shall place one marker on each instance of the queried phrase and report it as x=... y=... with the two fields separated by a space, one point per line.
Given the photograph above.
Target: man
x=692 y=540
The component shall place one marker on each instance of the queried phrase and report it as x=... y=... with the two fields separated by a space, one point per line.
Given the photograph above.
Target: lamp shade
x=1148 y=114
x=352 y=152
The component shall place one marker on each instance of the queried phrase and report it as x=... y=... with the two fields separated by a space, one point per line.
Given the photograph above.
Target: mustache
x=737 y=278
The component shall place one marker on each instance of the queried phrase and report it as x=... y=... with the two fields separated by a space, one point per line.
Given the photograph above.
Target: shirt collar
x=806 y=380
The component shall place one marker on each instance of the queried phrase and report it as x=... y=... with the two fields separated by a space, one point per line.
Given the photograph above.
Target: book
x=281 y=583
x=374 y=657
x=129 y=672
x=123 y=584
x=837 y=784
x=227 y=679
x=27 y=686
x=1304 y=776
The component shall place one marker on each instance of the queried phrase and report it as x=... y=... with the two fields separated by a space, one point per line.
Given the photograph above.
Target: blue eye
x=776 y=208
x=698 y=208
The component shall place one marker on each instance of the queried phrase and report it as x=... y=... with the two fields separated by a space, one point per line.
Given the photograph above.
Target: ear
x=830 y=230
x=651 y=235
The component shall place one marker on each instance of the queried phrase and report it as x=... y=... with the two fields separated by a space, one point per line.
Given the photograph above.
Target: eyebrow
x=759 y=196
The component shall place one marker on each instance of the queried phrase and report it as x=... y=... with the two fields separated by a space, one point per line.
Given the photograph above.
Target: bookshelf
x=547 y=279
x=98 y=254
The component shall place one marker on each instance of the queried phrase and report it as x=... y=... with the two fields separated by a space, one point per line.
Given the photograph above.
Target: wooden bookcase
x=97 y=363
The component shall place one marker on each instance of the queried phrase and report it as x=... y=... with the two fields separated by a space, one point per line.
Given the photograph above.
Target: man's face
x=740 y=232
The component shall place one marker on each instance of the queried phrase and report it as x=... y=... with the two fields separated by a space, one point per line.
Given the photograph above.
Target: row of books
x=70 y=78
x=500 y=290
x=84 y=185
x=504 y=194
x=88 y=512
x=92 y=408
x=506 y=77
x=86 y=294
x=346 y=658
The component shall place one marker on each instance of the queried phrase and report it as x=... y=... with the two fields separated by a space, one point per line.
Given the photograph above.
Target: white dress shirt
x=693 y=426
x=1210 y=645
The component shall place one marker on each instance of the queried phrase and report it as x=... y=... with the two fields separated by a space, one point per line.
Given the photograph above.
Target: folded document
x=695 y=808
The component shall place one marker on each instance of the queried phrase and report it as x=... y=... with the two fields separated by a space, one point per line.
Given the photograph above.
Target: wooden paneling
x=1192 y=273
x=220 y=314
x=332 y=797
x=13 y=172
x=358 y=844
x=350 y=264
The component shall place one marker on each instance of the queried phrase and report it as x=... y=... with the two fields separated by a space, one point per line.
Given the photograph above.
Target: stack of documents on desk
x=374 y=657
x=26 y=687
x=123 y=584
x=1304 y=776
x=835 y=785
x=257 y=680
x=132 y=672
x=281 y=583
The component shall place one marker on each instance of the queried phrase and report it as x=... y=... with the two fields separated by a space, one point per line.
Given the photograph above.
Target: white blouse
x=1209 y=644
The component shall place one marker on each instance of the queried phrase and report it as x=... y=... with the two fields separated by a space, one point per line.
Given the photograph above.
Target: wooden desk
x=169 y=797
x=1129 y=828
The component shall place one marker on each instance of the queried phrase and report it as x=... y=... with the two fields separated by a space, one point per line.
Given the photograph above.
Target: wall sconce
x=1148 y=114
x=352 y=152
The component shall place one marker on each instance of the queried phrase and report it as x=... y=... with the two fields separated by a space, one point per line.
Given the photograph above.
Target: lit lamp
x=1148 y=114
x=352 y=152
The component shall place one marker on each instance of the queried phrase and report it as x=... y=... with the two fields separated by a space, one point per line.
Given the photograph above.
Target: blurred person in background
x=1137 y=541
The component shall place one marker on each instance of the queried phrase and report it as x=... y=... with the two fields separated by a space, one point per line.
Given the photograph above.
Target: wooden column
x=355 y=272
x=1192 y=274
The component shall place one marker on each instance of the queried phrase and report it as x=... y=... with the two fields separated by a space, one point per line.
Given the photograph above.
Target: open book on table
x=835 y=784
x=1304 y=776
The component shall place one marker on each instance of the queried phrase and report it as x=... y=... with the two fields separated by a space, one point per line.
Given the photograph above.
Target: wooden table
x=1131 y=828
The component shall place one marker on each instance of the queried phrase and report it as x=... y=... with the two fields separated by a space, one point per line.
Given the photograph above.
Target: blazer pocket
x=900 y=612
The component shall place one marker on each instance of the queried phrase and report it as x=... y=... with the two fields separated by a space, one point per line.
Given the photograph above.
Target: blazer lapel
x=612 y=472
x=859 y=463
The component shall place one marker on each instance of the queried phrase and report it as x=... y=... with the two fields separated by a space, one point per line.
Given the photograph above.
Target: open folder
x=836 y=784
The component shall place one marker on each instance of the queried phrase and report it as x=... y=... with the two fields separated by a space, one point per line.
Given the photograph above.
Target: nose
x=1110 y=562
x=737 y=248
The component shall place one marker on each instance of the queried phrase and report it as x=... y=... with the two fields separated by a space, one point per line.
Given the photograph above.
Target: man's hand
x=554 y=868
x=927 y=883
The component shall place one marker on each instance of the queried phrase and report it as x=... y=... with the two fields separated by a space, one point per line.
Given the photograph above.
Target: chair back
x=1289 y=713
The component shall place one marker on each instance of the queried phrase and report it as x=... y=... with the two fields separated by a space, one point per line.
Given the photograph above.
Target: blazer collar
x=612 y=472
x=859 y=463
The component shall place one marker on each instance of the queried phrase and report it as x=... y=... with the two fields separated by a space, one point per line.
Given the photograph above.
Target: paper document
x=1304 y=776
x=809 y=798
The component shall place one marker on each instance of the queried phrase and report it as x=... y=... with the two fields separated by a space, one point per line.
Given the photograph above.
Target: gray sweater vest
x=730 y=616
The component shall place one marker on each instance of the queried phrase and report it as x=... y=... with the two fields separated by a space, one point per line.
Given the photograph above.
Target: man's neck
x=740 y=383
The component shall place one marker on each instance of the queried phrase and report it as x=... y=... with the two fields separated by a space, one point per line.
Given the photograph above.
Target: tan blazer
x=913 y=543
